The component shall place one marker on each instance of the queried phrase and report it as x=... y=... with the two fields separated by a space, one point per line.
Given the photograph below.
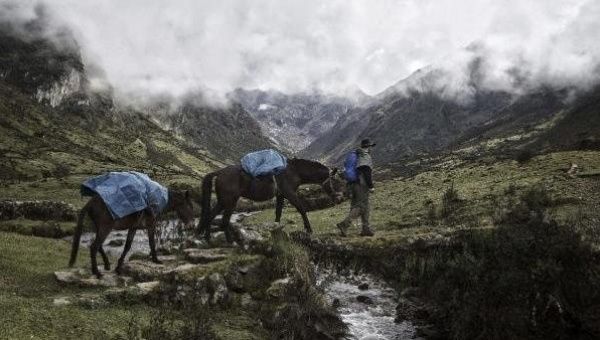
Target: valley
x=485 y=209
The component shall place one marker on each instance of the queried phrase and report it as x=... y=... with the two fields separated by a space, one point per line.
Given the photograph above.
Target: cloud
x=187 y=45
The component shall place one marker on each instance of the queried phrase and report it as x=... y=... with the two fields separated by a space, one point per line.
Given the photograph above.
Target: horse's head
x=334 y=186
x=181 y=202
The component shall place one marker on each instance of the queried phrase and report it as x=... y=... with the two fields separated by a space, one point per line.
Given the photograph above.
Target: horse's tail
x=78 y=231
x=207 y=184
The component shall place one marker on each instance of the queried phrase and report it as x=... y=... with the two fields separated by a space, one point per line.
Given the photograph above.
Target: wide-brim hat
x=365 y=143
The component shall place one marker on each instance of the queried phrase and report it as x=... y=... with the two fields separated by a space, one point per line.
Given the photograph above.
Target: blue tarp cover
x=264 y=162
x=125 y=193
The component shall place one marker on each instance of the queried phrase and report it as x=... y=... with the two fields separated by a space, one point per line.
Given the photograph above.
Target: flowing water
x=373 y=319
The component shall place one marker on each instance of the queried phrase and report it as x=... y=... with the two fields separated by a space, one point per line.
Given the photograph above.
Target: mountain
x=416 y=117
x=227 y=130
x=294 y=121
x=56 y=130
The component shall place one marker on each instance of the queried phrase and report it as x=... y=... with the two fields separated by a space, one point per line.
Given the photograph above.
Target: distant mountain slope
x=54 y=130
x=294 y=121
x=407 y=122
x=228 y=131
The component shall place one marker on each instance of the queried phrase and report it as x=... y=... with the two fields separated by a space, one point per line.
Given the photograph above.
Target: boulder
x=363 y=286
x=278 y=288
x=364 y=299
x=144 y=270
x=118 y=242
x=61 y=301
x=108 y=280
x=70 y=276
x=194 y=255
x=85 y=278
x=218 y=289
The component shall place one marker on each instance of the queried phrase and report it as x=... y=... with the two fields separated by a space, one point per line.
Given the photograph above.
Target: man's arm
x=366 y=172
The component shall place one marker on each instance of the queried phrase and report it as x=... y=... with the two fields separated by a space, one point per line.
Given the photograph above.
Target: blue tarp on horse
x=263 y=163
x=125 y=193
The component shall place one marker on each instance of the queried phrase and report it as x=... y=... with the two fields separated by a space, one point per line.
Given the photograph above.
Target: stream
x=371 y=319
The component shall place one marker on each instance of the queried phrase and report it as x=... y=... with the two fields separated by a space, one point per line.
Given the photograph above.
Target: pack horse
x=261 y=176
x=126 y=201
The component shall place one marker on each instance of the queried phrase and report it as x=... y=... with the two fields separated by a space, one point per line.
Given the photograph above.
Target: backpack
x=350 y=164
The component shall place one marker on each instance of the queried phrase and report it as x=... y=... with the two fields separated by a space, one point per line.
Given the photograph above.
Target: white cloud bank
x=330 y=45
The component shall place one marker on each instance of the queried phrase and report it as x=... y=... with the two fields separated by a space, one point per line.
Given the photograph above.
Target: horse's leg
x=216 y=210
x=130 y=235
x=279 y=207
x=151 y=240
x=101 y=235
x=104 y=258
x=226 y=225
x=297 y=203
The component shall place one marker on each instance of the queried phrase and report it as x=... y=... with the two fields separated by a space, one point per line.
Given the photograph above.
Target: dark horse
x=232 y=183
x=103 y=222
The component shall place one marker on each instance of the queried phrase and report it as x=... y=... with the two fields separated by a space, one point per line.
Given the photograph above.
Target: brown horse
x=232 y=183
x=103 y=222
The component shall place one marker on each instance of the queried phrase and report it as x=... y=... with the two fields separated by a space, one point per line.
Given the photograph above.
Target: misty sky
x=178 y=46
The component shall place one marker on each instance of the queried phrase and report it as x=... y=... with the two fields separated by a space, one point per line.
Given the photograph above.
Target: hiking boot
x=342 y=226
x=366 y=231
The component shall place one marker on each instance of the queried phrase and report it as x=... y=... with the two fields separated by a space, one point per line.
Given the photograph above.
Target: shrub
x=526 y=279
x=524 y=156
x=61 y=171
x=307 y=315
x=451 y=202
x=192 y=322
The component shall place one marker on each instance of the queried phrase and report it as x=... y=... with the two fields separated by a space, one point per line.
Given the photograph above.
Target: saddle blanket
x=128 y=192
x=264 y=163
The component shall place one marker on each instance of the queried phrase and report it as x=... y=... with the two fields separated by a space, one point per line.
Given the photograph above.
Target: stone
x=194 y=255
x=167 y=258
x=278 y=287
x=70 y=276
x=91 y=301
x=247 y=301
x=144 y=270
x=61 y=301
x=116 y=242
x=148 y=287
x=364 y=299
x=248 y=235
x=363 y=286
x=109 y=279
x=220 y=293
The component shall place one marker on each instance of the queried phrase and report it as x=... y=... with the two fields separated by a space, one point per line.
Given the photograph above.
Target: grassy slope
x=398 y=206
x=35 y=141
x=27 y=287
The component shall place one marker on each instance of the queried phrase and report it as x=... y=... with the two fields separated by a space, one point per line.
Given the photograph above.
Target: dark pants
x=359 y=204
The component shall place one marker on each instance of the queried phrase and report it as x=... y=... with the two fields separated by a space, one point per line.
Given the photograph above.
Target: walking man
x=360 y=184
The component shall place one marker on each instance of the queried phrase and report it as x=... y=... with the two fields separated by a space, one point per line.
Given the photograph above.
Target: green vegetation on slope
x=399 y=207
x=45 y=153
x=28 y=286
